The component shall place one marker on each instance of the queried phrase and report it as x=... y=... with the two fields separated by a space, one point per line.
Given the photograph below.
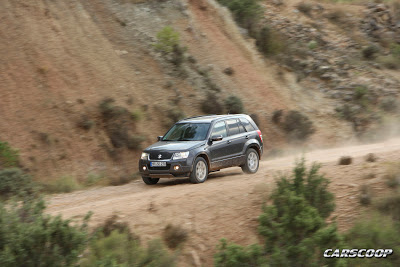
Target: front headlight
x=181 y=155
x=144 y=155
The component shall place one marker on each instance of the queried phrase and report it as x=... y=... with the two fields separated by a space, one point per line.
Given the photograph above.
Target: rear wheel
x=150 y=181
x=252 y=161
x=200 y=171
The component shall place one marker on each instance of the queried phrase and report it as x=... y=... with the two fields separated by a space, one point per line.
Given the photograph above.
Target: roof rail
x=197 y=117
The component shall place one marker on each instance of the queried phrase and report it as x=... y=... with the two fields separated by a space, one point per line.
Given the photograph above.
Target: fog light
x=144 y=168
x=176 y=167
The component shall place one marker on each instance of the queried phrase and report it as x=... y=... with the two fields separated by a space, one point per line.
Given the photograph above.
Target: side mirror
x=216 y=138
x=159 y=138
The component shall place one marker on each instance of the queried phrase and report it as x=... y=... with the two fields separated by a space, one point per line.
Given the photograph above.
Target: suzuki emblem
x=159 y=156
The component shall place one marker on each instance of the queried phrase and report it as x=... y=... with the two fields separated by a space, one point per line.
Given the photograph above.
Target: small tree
x=298 y=126
x=31 y=238
x=167 y=40
x=234 y=105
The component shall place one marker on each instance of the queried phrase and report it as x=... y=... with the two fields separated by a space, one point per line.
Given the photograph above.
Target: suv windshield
x=187 y=132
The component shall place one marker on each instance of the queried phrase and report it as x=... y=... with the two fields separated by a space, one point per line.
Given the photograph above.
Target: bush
x=365 y=195
x=9 y=157
x=269 y=42
x=298 y=126
x=167 y=40
x=293 y=226
x=375 y=231
x=392 y=175
x=305 y=8
x=64 y=184
x=174 y=235
x=85 y=122
x=389 y=62
x=29 y=237
x=119 y=250
x=212 y=105
x=345 y=160
x=277 y=116
x=247 y=13
x=369 y=52
x=371 y=157
x=14 y=182
x=389 y=104
x=234 y=105
x=233 y=255
x=390 y=205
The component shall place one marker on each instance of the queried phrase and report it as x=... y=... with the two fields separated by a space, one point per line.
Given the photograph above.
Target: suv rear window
x=247 y=125
x=233 y=126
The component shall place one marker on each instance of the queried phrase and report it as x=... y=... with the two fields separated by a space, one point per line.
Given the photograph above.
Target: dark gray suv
x=196 y=146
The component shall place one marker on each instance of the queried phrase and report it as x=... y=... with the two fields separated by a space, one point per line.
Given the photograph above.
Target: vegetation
x=167 y=39
x=305 y=8
x=247 y=13
x=234 y=255
x=277 y=116
x=345 y=160
x=64 y=184
x=85 y=122
x=212 y=105
x=29 y=237
x=14 y=182
x=9 y=157
x=269 y=41
x=115 y=245
x=234 y=105
x=174 y=235
x=370 y=51
x=298 y=126
x=293 y=227
x=118 y=123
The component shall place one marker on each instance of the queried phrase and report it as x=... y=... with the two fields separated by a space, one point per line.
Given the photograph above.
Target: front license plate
x=158 y=164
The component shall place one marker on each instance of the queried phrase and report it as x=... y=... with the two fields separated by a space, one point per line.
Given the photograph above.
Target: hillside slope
x=60 y=59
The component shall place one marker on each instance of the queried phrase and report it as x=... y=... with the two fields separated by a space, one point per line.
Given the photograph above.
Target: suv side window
x=247 y=125
x=219 y=129
x=241 y=127
x=233 y=127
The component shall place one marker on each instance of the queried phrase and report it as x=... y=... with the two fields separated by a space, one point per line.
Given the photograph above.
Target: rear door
x=236 y=140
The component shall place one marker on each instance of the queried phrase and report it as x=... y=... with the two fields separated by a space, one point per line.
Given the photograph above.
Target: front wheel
x=252 y=161
x=200 y=171
x=150 y=181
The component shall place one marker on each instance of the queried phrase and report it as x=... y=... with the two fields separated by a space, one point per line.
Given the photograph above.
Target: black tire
x=150 y=181
x=252 y=161
x=200 y=171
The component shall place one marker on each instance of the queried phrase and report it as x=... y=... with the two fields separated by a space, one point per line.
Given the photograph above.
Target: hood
x=174 y=145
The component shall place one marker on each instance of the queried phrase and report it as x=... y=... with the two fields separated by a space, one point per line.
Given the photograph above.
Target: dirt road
x=228 y=203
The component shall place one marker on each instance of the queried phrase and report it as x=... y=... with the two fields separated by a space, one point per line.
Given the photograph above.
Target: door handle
x=247 y=137
x=229 y=141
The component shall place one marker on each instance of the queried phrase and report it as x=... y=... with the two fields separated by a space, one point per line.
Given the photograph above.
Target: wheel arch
x=205 y=157
x=256 y=147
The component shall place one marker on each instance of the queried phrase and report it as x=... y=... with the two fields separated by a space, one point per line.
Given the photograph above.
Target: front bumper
x=174 y=169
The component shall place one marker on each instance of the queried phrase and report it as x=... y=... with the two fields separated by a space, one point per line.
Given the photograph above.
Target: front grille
x=164 y=155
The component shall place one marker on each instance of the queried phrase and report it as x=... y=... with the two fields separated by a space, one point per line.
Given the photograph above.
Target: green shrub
x=370 y=51
x=305 y=8
x=29 y=237
x=14 y=182
x=390 y=62
x=375 y=231
x=85 y=122
x=312 y=45
x=64 y=184
x=167 y=40
x=390 y=205
x=293 y=227
x=389 y=104
x=247 y=13
x=212 y=105
x=277 y=116
x=233 y=255
x=234 y=105
x=297 y=125
x=119 y=250
x=269 y=41
x=174 y=235
x=9 y=157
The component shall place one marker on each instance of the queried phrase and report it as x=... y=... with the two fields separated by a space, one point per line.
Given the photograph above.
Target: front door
x=219 y=151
